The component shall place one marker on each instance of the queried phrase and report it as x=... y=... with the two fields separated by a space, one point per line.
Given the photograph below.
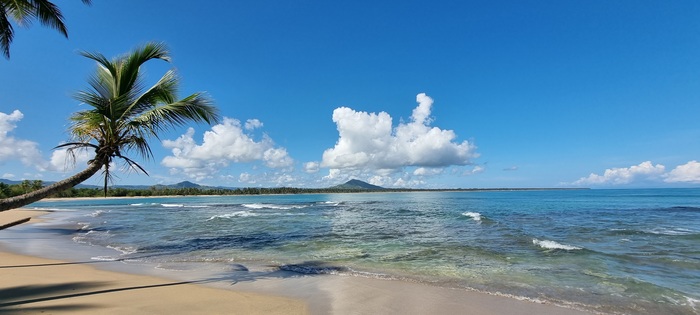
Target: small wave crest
x=547 y=244
x=474 y=215
x=673 y=231
x=96 y=213
x=123 y=250
x=171 y=205
x=271 y=206
x=91 y=235
x=233 y=215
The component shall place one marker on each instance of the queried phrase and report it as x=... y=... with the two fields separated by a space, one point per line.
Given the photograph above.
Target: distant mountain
x=185 y=184
x=355 y=184
x=10 y=182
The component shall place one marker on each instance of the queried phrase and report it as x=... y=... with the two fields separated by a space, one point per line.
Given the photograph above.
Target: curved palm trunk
x=23 y=200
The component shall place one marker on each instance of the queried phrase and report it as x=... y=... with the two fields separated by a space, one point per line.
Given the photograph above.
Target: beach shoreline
x=107 y=286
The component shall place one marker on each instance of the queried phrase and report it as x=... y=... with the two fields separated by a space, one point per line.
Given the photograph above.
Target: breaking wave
x=547 y=244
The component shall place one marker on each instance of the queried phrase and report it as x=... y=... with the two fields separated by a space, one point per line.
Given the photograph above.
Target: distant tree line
x=26 y=186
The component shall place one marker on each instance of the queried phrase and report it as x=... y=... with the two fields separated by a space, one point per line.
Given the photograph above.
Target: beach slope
x=33 y=285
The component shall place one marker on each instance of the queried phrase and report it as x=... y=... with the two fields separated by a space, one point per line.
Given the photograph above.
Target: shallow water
x=614 y=251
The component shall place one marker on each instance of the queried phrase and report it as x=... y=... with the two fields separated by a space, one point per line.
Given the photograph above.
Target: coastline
x=33 y=284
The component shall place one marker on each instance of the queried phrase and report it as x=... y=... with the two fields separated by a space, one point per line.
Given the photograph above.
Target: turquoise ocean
x=633 y=251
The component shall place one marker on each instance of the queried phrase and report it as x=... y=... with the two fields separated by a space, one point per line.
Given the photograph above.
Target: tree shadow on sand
x=28 y=294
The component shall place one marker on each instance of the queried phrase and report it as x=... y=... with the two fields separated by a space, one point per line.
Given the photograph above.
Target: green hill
x=355 y=184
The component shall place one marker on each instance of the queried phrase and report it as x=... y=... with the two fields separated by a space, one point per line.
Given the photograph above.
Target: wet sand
x=32 y=285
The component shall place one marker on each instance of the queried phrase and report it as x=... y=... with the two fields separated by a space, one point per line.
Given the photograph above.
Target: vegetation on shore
x=26 y=186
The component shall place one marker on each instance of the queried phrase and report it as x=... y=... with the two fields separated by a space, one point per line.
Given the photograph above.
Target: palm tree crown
x=22 y=12
x=123 y=115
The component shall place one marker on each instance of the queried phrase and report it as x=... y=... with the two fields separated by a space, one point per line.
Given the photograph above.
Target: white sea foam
x=171 y=205
x=104 y=258
x=123 y=250
x=136 y=204
x=546 y=244
x=270 y=206
x=693 y=302
x=474 y=215
x=233 y=215
x=671 y=231
x=96 y=213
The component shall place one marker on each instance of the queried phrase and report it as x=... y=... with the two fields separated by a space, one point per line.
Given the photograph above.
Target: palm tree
x=123 y=116
x=22 y=12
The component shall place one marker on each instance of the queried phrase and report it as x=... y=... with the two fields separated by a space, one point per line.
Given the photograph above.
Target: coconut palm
x=123 y=116
x=22 y=12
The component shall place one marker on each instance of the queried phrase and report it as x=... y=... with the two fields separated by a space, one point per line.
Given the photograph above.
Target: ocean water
x=609 y=251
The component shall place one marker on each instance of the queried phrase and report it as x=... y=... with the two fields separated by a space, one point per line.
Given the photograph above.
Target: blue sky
x=433 y=94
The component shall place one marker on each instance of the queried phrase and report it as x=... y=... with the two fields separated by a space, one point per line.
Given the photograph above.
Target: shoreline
x=256 y=289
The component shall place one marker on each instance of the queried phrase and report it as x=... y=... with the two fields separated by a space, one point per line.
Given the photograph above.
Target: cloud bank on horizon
x=644 y=172
x=369 y=147
x=28 y=153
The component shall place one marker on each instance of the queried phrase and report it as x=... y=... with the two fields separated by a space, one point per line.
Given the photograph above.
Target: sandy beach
x=33 y=285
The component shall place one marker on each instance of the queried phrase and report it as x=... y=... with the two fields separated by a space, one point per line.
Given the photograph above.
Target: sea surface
x=612 y=251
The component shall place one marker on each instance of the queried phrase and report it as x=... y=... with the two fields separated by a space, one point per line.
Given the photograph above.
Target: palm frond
x=163 y=92
x=101 y=60
x=133 y=165
x=49 y=15
x=195 y=108
x=21 y=11
x=74 y=145
x=6 y=35
x=132 y=63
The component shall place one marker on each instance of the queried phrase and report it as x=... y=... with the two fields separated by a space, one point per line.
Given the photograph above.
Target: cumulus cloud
x=311 y=167
x=686 y=173
x=625 y=175
x=427 y=171
x=251 y=124
x=225 y=143
x=368 y=141
x=62 y=161
x=246 y=178
x=12 y=148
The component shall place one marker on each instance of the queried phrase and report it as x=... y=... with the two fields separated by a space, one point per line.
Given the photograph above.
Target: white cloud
x=427 y=171
x=367 y=141
x=62 y=161
x=12 y=148
x=225 y=143
x=8 y=175
x=616 y=176
x=311 y=167
x=686 y=173
x=512 y=168
x=251 y=124
x=277 y=158
x=476 y=170
x=245 y=178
